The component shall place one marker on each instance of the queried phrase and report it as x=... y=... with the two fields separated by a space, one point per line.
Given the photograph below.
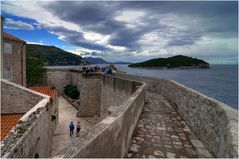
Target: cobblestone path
x=61 y=137
x=161 y=132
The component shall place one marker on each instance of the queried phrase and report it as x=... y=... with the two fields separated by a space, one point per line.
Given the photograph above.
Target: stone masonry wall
x=76 y=78
x=32 y=136
x=90 y=96
x=15 y=100
x=59 y=79
x=215 y=123
x=13 y=61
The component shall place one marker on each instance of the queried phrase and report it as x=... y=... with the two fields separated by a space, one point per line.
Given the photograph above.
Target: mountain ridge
x=53 y=55
x=95 y=60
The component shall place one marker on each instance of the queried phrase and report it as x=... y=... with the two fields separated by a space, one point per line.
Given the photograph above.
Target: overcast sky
x=129 y=31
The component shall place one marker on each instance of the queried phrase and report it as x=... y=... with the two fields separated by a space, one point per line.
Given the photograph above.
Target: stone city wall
x=76 y=78
x=32 y=136
x=215 y=123
x=15 y=100
x=89 y=88
x=58 y=78
x=112 y=136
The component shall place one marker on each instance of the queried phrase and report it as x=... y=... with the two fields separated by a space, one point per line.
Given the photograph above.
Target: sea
x=219 y=81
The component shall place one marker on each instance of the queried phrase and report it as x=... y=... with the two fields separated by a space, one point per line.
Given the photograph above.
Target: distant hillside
x=54 y=55
x=121 y=62
x=93 y=60
x=173 y=62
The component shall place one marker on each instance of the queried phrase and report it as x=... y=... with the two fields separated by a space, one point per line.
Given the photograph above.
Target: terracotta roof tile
x=11 y=37
x=45 y=90
x=8 y=121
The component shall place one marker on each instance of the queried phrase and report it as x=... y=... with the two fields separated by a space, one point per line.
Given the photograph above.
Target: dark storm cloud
x=216 y=17
x=84 y=13
x=96 y=16
x=184 y=40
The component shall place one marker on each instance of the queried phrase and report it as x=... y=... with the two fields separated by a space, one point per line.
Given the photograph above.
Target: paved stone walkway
x=161 y=132
x=67 y=113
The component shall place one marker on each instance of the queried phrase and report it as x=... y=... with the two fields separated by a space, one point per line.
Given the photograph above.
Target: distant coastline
x=171 y=68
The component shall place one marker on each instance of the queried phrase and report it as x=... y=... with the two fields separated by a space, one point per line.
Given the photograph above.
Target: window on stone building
x=7 y=48
x=7 y=73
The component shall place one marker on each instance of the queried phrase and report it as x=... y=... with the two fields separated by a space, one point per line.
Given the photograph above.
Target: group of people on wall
x=106 y=70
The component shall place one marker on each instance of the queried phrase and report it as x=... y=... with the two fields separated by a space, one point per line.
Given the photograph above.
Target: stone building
x=13 y=59
x=1 y=36
x=28 y=120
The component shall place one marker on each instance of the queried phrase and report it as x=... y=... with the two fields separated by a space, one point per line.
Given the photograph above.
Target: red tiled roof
x=8 y=121
x=45 y=90
x=11 y=37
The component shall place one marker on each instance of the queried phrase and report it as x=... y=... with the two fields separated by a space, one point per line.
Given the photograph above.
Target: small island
x=178 y=61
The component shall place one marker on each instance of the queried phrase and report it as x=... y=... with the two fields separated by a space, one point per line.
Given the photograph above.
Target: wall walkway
x=61 y=137
x=161 y=132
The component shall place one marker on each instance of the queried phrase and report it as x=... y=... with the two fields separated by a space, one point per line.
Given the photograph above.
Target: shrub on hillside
x=71 y=91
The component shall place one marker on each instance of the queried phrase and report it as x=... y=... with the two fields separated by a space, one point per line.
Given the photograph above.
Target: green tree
x=35 y=69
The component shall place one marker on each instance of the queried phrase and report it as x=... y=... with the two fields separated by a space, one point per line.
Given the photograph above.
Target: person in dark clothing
x=72 y=127
x=109 y=72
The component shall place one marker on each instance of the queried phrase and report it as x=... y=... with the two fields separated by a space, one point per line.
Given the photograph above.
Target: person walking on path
x=72 y=127
x=78 y=127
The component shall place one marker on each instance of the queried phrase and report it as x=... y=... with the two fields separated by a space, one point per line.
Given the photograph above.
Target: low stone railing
x=31 y=137
x=215 y=123
x=112 y=136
